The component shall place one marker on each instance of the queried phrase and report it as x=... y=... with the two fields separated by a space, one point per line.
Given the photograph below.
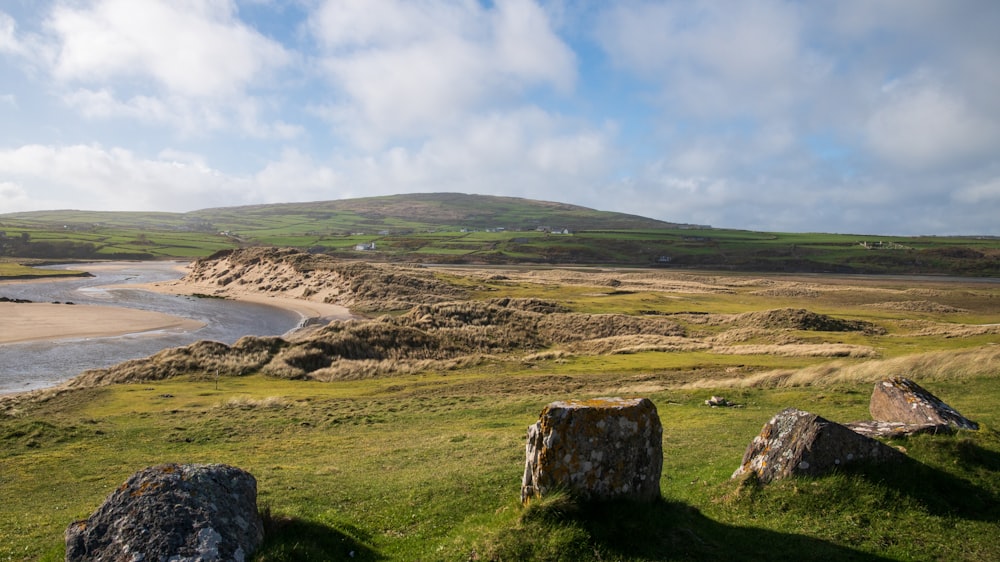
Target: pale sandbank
x=22 y=322
x=306 y=309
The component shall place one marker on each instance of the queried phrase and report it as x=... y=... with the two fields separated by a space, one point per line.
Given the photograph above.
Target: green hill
x=480 y=229
x=426 y=211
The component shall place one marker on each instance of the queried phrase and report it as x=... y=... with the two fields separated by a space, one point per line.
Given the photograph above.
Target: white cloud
x=187 y=116
x=527 y=153
x=93 y=177
x=527 y=49
x=410 y=69
x=188 y=65
x=715 y=58
x=8 y=35
x=923 y=125
x=296 y=176
x=102 y=104
x=980 y=193
x=193 y=48
x=13 y=197
x=864 y=115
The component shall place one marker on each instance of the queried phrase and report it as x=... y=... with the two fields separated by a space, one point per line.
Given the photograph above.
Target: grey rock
x=896 y=429
x=719 y=402
x=795 y=442
x=599 y=449
x=902 y=400
x=175 y=513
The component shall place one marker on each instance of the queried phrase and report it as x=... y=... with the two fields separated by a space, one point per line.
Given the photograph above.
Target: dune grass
x=427 y=467
x=426 y=464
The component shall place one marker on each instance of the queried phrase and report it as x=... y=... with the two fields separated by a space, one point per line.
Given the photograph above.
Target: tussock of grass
x=801 y=319
x=250 y=403
x=788 y=292
x=438 y=336
x=636 y=343
x=745 y=334
x=955 y=330
x=426 y=464
x=366 y=369
x=207 y=358
x=546 y=355
x=799 y=350
x=939 y=365
x=916 y=306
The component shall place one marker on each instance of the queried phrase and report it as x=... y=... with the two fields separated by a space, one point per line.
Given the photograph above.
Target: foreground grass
x=428 y=468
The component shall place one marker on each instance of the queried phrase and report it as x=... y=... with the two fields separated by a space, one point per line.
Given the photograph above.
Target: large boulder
x=173 y=512
x=800 y=443
x=902 y=400
x=600 y=449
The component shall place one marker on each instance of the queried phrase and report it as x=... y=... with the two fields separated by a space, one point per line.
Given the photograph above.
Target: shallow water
x=30 y=365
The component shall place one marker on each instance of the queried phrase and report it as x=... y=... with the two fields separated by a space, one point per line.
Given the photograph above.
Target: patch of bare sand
x=43 y=321
x=307 y=309
x=915 y=306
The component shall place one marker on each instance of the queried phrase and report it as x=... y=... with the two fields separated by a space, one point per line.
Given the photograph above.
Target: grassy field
x=427 y=466
x=456 y=228
x=16 y=270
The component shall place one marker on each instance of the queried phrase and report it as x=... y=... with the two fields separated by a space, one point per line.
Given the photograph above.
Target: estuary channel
x=38 y=364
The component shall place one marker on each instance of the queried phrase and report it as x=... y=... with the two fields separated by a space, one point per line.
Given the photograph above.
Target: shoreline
x=28 y=322
x=307 y=310
x=31 y=322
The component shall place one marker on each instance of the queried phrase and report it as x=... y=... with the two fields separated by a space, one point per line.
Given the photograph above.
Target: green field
x=15 y=270
x=427 y=465
x=455 y=228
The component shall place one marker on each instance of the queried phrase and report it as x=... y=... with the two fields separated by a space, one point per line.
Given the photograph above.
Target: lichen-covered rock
x=599 y=449
x=173 y=512
x=902 y=400
x=896 y=429
x=800 y=443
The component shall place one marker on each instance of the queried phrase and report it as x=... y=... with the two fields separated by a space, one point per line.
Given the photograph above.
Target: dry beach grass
x=399 y=434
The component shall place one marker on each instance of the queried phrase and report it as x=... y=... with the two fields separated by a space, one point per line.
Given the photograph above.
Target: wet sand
x=23 y=322
x=306 y=309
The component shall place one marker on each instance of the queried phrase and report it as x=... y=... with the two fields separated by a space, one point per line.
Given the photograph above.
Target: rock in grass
x=902 y=400
x=896 y=429
x=599 y=449
x=800 y=443
x=175 y=512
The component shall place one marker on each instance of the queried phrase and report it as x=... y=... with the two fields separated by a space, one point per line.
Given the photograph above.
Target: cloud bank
x=863 y=116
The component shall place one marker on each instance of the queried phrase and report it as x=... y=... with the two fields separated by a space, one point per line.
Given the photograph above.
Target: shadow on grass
x=940 y=492
x=666 y=530
x=677 y=531
x=288 y=539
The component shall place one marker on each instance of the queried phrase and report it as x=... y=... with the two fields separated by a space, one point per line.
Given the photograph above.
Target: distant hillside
x=432 y=211
x=423 y=211
x=480 y=229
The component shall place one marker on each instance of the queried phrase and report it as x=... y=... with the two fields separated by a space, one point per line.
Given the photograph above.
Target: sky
x=848 y=116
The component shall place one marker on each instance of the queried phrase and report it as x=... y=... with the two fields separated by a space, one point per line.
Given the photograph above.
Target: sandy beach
x=307 y=309
x=21 y=322
x=44 y=321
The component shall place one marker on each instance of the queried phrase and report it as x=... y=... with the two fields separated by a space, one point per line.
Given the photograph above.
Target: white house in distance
x=365 y=247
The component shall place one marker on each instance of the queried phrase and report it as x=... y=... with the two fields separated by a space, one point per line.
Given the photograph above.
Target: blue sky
x=853 y=116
